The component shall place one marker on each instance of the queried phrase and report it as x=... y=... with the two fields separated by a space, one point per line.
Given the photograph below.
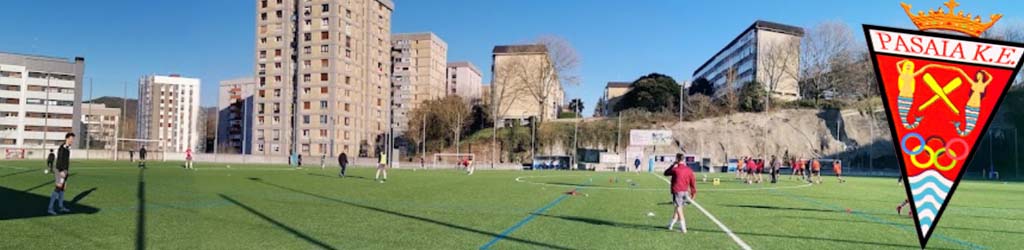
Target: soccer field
x=117 y=206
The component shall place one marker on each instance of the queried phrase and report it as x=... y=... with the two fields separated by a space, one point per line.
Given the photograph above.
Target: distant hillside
x=128 y=124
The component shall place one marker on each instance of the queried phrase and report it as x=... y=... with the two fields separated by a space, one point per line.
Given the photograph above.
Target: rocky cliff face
x=800 y=132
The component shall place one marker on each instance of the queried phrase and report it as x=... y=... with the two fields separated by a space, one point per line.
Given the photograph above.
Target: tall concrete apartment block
x=168 y=112
x=465 y=80
x=516 y=84
x=322 y=76
x=745 y=56
x=234 y=115
x=419 y=73
x=40 y=100
x=100 y=126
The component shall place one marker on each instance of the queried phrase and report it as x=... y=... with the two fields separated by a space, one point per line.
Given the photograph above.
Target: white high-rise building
x=169 y=112
x=40 y=100
x=465 y=80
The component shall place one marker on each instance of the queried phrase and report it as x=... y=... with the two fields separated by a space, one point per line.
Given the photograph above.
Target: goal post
x=14 y=153
x=131 y=147
x=450 y=160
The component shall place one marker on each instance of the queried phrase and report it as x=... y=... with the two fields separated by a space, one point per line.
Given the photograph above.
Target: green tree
x=752 y=97
x=654 y=93
x=701 y=86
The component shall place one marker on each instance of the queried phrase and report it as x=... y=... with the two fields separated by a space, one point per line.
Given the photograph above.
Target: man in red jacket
x=684 y=190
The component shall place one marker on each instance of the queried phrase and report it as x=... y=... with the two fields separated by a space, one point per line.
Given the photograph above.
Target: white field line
x=713 y=219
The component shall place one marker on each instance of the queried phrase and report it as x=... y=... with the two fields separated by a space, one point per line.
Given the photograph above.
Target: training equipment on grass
x=940 y=93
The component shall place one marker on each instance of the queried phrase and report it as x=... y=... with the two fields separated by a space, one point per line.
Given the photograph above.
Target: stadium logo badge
x=940 y=91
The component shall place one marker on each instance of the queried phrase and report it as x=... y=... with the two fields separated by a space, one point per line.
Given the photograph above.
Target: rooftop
x=759 y=25
x=619 y=85
x=466 y=64
x=520 y=48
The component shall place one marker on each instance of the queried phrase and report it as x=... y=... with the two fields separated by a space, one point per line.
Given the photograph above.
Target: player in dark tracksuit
x=49 y=162
x=62 y=165
x=343 y=162
x=142 y=157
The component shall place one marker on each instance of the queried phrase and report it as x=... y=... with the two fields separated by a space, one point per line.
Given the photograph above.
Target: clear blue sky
x=617 y=40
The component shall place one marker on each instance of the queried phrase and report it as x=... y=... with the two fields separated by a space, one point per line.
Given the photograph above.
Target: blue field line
x=875 y=219
x=530 y=217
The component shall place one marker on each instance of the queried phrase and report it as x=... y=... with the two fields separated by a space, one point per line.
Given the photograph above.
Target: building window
x=277 y=53
x=307 y=50
x=348 y=41
x=324 y=22
x=306 y=78
x=305 y=105
x=325 y=7
x=306 y=64
x=323 y=119
x=347 y=107
x=323 y=104
x=323 y=77
x=323 y=133
x=305 y=133
x=324 y=63
x=348 y=79
x=307 y=36
x=263 y=54
x=324 y=48
x=305 y=119
x=277 y=65
x=323 y=90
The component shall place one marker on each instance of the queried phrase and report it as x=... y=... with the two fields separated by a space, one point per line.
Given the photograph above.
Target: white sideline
x=713 y=219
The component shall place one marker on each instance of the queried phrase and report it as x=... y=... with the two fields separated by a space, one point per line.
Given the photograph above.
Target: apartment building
x=465 y=80
x=419 y=73
x=764 y=52
x=40 y=100
x=100 y=126
x=234 y=115
x=322 y=76
x=613 y=91
x=524 y=84
x=168 y=111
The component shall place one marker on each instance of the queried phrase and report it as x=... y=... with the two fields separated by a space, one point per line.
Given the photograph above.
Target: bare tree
x=1008 y=31
x=541 y=77
x=778 y=60
x=827 y=47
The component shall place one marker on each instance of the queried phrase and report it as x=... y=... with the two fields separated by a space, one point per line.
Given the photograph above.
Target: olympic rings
x=933 y=154
x=949 y=146
x=940 y=166
x=917 y=150
x=935 y=137
x=931 y=159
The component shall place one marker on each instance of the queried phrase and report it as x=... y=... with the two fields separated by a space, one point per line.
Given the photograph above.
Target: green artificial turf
x=275 y=207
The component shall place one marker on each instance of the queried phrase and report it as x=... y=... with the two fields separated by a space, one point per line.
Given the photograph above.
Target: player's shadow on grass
x=910 y=224
x=17 y=173
x=599 y=222
x=291 y=230
x=568 y=184
x=337 y=177
x=25 y=205
x=140 y=214
x=414 y=217
x=783 y=208
x=45 y=183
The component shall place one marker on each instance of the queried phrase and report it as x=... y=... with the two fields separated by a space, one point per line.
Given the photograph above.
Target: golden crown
x=951 y=21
